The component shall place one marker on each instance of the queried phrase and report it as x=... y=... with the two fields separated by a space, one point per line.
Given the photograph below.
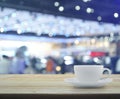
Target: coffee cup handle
x=109 y=72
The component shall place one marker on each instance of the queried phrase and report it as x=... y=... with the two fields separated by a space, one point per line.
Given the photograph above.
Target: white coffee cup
x=90 y=73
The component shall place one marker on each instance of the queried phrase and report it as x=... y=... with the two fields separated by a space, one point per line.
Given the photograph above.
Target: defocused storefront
x=58 y=36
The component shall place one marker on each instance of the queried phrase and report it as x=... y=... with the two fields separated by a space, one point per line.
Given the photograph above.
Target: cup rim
x=88 y=65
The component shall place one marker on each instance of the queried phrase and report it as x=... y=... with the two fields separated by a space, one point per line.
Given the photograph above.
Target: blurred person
x=50 y=66
x=18 y=64
x=107 y=61
x=76 y=60
x=4 y=64
x=31 y=69
x=114 y=59
x=63 y=67
x=61 y=62
x=33 y=62
x=117 y=68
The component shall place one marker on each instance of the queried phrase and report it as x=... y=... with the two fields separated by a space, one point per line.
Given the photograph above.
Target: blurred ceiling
x=97 y=10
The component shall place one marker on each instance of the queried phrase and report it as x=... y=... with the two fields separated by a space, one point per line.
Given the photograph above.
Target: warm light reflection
x=58 y=68
x=93 y=41
x=76 y=42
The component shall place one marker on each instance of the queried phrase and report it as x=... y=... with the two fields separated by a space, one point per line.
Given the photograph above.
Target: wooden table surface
x=45 y=84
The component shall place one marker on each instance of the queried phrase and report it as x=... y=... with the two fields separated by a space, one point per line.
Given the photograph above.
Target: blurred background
x=51 y=36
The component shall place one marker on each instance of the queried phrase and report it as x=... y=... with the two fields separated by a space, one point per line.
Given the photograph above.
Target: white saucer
x=75 y=82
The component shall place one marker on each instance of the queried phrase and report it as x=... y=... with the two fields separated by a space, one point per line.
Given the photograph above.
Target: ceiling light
x=52 y=25
x=116 y=15
x=56 y=4
x=77 y=7
x=61 y=8
x=90 y=10
x=1 y=29
x=99 y=18
x=86 y=0
x=19 y=31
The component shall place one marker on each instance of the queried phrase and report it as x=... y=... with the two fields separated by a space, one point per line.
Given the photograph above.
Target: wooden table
x=53 y=87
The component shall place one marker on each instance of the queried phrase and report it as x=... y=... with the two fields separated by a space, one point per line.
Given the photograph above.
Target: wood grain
x=51 y=84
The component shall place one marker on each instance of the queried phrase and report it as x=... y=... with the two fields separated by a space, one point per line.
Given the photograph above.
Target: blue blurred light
x=56 y=4
x=116 y=15
x=61 y=8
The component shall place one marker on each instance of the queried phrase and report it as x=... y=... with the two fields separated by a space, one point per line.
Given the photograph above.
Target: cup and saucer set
x=89 y=76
